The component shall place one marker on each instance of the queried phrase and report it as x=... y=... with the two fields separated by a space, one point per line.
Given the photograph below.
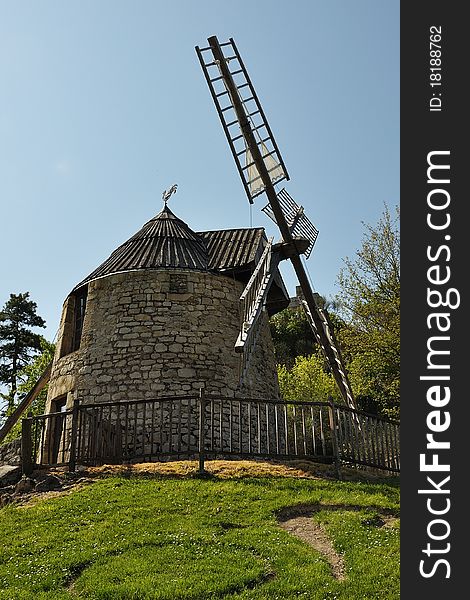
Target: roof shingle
x=168 y=242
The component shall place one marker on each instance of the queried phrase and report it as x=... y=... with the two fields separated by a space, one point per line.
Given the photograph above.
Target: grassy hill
x=149 y=535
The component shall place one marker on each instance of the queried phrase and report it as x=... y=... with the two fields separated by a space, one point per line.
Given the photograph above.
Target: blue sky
x=103 y=105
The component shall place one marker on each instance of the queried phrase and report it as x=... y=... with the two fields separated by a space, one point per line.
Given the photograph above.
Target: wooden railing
x=207 y=427
x=365 y=439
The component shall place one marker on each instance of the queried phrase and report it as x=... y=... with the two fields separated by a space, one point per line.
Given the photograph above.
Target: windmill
x=261 y=167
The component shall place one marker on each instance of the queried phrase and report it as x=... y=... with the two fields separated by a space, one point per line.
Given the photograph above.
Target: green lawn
x=184 y=538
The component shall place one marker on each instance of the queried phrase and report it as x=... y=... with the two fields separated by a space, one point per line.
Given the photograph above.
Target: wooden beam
x=26 y=402
x=27 y=466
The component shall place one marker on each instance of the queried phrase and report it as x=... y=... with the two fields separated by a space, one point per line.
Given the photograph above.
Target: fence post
x=73 y=436
x=334 y=437
x=202 y=410
x=27 y=466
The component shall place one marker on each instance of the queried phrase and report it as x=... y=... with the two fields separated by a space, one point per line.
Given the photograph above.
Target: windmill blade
x=328 y=346
x=254 y=295
x=249 y=123
x=255 y=183
x=252 y=302
x=243 y=120
x=326 y=325
x=299 y=224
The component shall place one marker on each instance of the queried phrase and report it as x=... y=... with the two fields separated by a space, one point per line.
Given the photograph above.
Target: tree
x=29 y=376
x=303 y=371
x=292 y=335
x=18 y=343
x=307 y=380
x=369 y=302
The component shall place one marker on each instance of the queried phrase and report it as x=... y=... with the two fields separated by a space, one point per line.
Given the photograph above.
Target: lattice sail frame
x=252 y=302
x=236 y=113
x=328 y=330
x=299 y=224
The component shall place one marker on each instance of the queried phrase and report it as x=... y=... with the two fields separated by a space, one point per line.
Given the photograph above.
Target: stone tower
x=160 y=317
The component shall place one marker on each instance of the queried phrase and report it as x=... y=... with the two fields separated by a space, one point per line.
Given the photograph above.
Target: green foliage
x=370 y=305
x=292 y=335
x=366 y=321
x=33 y=371
x=374 y=373
x=29 y=376
x=307 y=380
x=198 y=539
x=303 y=372
x=18 y=343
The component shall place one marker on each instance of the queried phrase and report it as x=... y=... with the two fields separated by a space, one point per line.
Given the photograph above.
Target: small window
x=59 y=404
x=72 y=322
x=79 y=316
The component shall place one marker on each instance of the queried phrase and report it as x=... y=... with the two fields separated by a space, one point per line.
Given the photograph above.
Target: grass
x=168 y=537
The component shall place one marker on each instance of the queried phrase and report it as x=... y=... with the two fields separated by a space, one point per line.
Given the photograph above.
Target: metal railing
x=207 y=427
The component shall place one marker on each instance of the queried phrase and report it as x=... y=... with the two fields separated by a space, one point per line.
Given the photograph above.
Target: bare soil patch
x=233 y=468
x=217 y=468
x=183 y=468
x=298 y=521
x=312 y=533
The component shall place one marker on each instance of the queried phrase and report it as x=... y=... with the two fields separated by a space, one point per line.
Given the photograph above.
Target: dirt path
x=297 y=520
x=312 y=533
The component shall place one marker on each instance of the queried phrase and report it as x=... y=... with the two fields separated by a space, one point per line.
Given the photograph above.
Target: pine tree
x=17 y=342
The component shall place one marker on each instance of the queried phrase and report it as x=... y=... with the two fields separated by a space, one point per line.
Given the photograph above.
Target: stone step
x=9 y=474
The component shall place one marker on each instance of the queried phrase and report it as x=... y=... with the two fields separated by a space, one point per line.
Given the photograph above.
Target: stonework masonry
x=154 y=333
x=10 y=453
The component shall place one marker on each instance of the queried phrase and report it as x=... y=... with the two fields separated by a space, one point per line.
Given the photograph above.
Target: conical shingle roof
x=163 y=242
x=167 y=242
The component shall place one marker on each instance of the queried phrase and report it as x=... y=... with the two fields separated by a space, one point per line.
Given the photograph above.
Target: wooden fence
x=210 y=427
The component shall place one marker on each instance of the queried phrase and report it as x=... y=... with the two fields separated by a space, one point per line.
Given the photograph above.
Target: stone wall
x=148 y=334
x=10 y=453
x=261 y=380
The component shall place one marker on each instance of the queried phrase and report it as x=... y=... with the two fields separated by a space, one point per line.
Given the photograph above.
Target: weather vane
x=168 y=193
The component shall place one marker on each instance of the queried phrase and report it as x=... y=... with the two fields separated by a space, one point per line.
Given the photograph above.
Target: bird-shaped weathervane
x=168 y=193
